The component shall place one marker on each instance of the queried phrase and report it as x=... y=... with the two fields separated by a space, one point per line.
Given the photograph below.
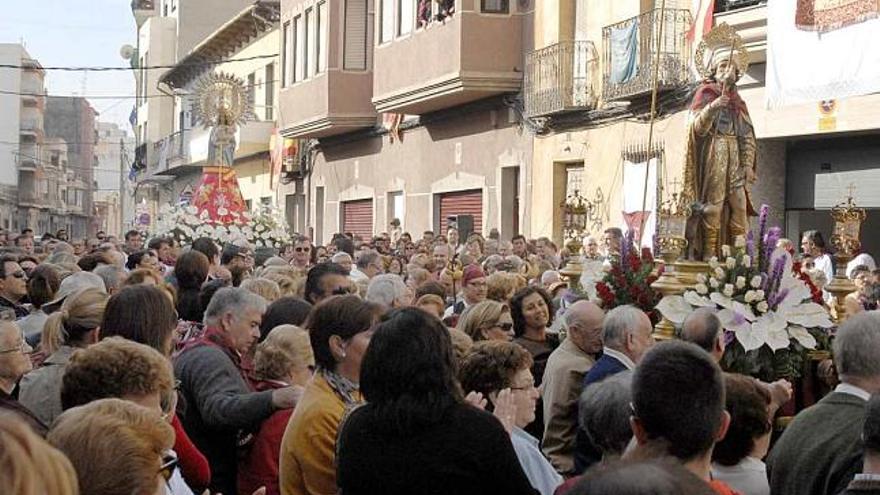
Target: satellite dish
x=126 y=52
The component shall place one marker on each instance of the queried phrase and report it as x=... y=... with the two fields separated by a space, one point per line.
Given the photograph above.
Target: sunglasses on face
x=303 y=249
x=169 y=464
x=504 y=326
x=341 y=291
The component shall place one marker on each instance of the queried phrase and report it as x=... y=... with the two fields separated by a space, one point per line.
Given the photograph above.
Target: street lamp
x=848 y=219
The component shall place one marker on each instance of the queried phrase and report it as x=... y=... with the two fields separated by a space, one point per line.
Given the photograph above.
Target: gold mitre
x=721 y=43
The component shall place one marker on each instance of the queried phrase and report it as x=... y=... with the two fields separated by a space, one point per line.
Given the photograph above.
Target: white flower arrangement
x=266 y=228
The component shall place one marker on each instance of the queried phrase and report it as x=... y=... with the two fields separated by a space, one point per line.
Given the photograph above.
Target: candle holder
x=848 y=219
x=671 y=242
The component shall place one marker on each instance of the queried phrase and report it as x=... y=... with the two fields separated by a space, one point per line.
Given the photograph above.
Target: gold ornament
x=720 y=39
x=222 y=100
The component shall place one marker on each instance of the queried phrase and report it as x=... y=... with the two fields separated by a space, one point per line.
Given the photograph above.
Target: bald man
x=563 y=379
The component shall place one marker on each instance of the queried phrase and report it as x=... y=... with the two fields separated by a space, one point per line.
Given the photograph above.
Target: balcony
x=31 y=127
x=750 y=21
x=28 y=157
x=144 y=9
x=560 y=78
x=333 y=102
x=186 y=151
x=628 y=71
x=467 y=56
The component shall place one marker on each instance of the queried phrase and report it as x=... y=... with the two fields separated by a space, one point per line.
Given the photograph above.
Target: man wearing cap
x=473 y=290
x=721 y=149
x=13 y=286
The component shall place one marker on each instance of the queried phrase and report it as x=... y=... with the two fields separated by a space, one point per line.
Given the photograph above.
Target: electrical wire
x=120 y=97
x=127 y=68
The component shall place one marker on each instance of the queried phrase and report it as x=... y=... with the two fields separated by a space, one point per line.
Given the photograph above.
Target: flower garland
x=185 y=224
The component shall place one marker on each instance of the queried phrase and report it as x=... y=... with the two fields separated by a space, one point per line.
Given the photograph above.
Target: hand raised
x=505 y=409
x=476 y=399
x=721 y=101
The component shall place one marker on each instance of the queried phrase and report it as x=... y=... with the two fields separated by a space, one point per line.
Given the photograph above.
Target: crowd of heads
x=127 y=363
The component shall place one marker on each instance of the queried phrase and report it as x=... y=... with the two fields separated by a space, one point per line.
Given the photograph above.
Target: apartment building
x=404 y=109
x=592 y=131
x=113 y=150
x=169 y=31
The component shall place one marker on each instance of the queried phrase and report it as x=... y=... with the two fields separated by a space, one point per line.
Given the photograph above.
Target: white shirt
x=538 y=470
x=749 y=477
x=824 y=263
x=846 y=388
x=623 y=358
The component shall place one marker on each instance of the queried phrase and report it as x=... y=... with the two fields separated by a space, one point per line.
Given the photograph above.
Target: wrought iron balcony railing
x=728 y=5
x=630 y=51
x=560 y=78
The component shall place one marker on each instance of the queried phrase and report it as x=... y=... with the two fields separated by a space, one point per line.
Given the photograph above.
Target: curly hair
x=114 y=367
x=747 y=402
x=115 y=446
x=501 y=286
x=491 y=365
x=516 y=308
x=285 y=348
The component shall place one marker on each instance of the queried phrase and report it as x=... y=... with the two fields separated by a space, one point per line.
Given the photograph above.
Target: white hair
x=233 y=300
x=340 y=256
x=550 y=277
x=619 y=323
x=385 y=289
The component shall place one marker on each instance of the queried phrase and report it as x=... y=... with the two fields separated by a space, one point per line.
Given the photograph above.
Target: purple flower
x=772 y=237
x=777 y=298
x=750 y=244
x=729 y=337
x=762 y=231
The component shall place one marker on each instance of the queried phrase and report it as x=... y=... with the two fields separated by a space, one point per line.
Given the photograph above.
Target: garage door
x=357 y=218
x=462 y=203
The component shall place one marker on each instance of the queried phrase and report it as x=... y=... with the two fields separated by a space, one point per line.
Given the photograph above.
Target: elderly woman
x=737 y=457
x=488 y=320
x=532 y=315
x=263 y=287
x=144 y=314
x=389 y=291
x=495 y=369
x=30 y=465
x=116 y=447
x=501 y=286
x=864 y=298
x=14 y=363
x=74 y=326
x=284 y=358
x=416 y=433
x=340 y=329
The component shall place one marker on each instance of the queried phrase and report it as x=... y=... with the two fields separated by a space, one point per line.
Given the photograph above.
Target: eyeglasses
x=341 y=291
x=19 y=274
x=169 y=464
x=22 y=347
x=303 y=249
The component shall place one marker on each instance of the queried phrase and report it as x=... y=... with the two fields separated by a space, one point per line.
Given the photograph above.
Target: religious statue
x=721 y=150
x=223 y=105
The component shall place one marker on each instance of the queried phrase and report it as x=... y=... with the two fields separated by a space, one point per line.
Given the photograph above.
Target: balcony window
x=355 y=47
x=285 y=58
x=298 y=52
x=321 y=41
x=386 y=20
x=406 y=16
x=252 y=88
x=270 y=91
x=728 y=5
x=495 y=6
x=433 y=11
x=308 y=44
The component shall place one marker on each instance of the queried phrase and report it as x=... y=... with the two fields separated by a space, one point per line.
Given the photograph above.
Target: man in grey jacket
x=218 y=405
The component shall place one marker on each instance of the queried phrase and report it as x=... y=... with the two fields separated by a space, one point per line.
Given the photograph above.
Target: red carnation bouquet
x=629 y=281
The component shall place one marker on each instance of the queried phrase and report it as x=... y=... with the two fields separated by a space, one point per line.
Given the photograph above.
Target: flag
x=391 y=123
x=704 y=17
x=276 y=157
x=133 y=117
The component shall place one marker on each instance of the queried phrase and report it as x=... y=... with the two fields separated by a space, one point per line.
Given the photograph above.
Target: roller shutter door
x=462 y=203
x=357 y=218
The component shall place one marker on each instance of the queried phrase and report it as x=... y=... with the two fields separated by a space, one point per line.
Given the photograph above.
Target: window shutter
x=355 y=56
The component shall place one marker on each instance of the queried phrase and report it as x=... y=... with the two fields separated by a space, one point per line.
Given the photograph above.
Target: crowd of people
x=394 y=365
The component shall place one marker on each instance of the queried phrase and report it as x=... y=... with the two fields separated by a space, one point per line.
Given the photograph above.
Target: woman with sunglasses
x=122 y=369
x=340 y=329
x=488 y=320
x=116 y=447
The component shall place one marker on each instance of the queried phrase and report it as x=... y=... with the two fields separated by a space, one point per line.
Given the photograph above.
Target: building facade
x=593 y=133
x=405 y=110
x=114 y=149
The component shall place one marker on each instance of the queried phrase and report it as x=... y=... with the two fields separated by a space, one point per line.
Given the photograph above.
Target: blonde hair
x=479 y=316
x=267 y=289
x=30 y=465
x=500 y=286
x=290 y=281
x=81 y=313
x=286 y=347
x=432 y=300
x=115 y=445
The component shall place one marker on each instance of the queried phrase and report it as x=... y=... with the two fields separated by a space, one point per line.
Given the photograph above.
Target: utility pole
x=121 y=187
